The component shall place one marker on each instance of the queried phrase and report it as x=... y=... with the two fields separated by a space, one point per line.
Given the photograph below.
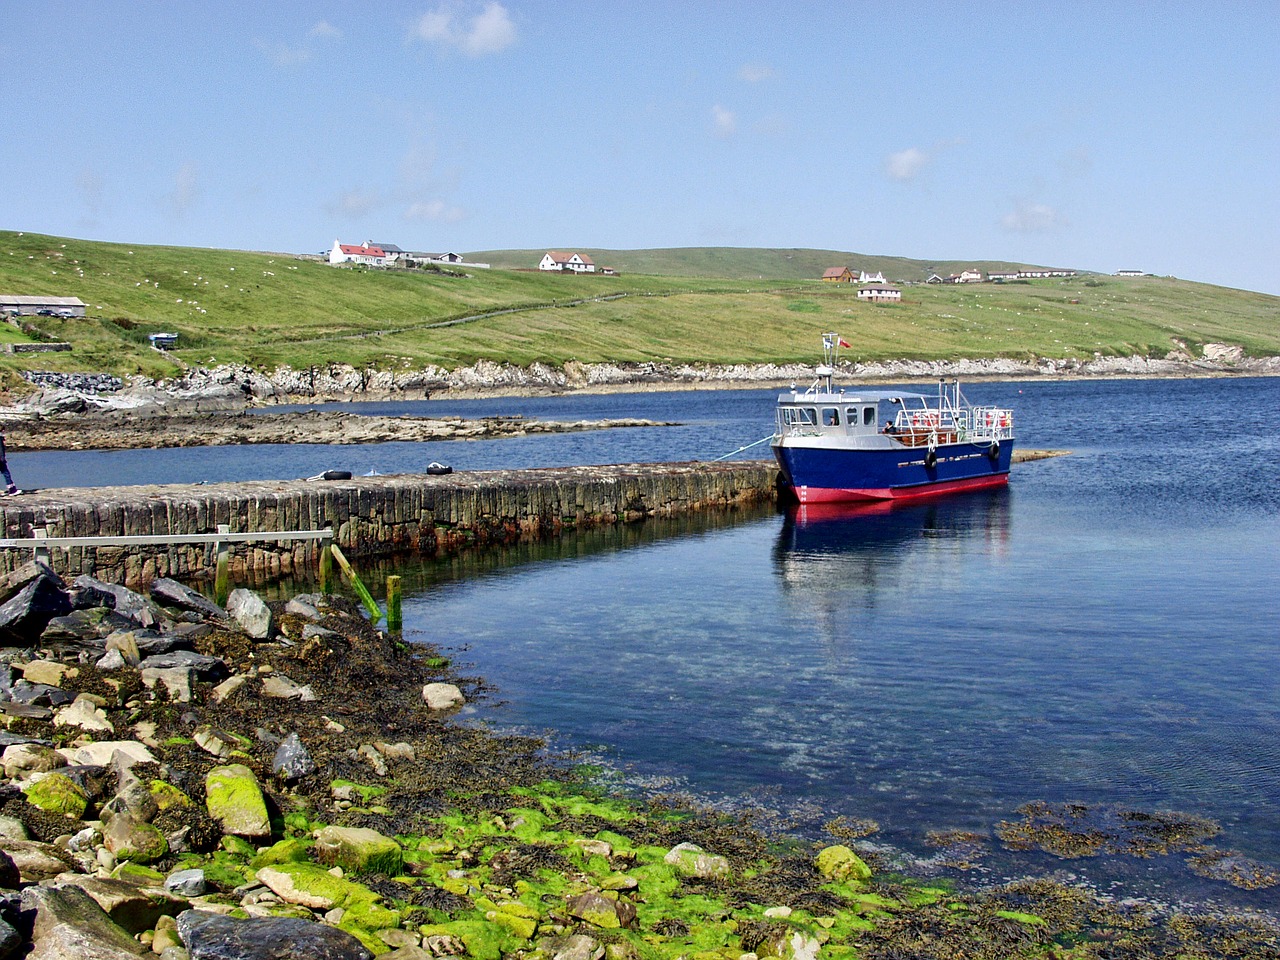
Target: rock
x=58 y=794
x=442 y=696
x=276 y=685
x=171 y=593
x=125 y=642
x=227 y=687
x=218 y=743
x=395 y=751
x=84 y=714
x=249 y=613
x=84 y=628
x=358 y=850
x=24 y=759
x=47 y=672
x=175 y=680
x=120 y=754
x=39 y=694
x=235 y=800
x=207 y=669
x=209 y=936
x=186 y=883
x=24 y=616
x=68 y=923
x=36 y=861
x=132 y=906
x=306 y=885
x=292 y=760
x=166 y=935
x=306 y=605
x=575 y=947
x=111 y=661
x=133 y=839
x=11 y=828
x=692 y=861
x=90 y=592
x=10 y=876
x=10 y=939
x=600 y=911
x=840 y=863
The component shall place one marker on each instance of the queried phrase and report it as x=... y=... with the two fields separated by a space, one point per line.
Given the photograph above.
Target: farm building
x=567 y=262
x=365 y=255
x=41 y=306
x=877 y=277
x=879 y=292
x=837 y=275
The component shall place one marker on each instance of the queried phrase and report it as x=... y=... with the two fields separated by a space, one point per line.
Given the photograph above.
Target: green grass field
x=267 y=310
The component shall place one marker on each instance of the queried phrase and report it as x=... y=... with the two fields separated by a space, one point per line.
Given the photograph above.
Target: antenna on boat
x=831 y=344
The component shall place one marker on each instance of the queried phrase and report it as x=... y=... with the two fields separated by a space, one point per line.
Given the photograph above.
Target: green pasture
x=266 y=310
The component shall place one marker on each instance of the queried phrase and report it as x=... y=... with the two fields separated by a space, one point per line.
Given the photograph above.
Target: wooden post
x=326 y=568
x=375 y=612
x=222 y=569
x=394 y=619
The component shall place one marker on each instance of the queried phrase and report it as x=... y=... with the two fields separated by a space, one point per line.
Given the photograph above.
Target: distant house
x=936 y=278
x=567 y=262
x=879 y=292
x=877 y=277
x=1002 y=276
x=609 y=271
x=837 y=275
x=1038 y=274
x=365 y=254
x=389 y=250
x=1131 y=273
x=20 y=306
x=969 y=276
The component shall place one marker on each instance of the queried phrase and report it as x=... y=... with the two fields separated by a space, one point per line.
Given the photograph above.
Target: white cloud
x=325 y=30
x=433 y=210
x=906 y=164
x=724 y=123
x=186 y=190
x=490 y=31
x=1027 y=217
x=756 y=72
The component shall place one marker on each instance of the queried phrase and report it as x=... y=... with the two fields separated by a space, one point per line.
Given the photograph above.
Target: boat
x=840 y=446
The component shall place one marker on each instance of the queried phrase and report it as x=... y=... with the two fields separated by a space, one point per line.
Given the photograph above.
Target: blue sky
x=1098 y=136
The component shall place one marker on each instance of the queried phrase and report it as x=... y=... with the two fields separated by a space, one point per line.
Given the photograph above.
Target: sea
x=1094 y=647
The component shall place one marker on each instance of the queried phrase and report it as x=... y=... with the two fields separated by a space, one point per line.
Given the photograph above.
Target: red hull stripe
x=839 y=495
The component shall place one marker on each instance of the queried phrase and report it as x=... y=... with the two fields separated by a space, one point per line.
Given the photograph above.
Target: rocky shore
x=262 y=780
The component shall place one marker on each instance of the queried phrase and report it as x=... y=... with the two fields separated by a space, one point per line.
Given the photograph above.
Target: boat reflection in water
x=836 y=557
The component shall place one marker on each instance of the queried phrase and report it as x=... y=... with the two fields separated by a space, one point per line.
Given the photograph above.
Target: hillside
x=266 y=310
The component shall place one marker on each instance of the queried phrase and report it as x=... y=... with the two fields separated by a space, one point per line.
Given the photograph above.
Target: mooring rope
x=740 y=449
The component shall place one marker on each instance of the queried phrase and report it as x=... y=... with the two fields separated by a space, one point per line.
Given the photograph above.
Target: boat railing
x=980 y=425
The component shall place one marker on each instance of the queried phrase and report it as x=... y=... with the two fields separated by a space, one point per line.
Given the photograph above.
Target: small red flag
x=844 y=343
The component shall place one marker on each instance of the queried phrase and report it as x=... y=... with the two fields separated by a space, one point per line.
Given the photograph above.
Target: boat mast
x=830 y=353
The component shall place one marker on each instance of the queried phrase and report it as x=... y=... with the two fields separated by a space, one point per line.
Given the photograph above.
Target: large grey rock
x=171 y=593
x=10 y=939
x=131 y=906
x=186 y=883
x=68 y=923
x=24 y=616
x=36 y=861
x=209 y=936
x=292 y=760
x=250 y=614
x=39 y=694
x=84 y=628
x=442 y=696
x=207 y=669
x=91 y=592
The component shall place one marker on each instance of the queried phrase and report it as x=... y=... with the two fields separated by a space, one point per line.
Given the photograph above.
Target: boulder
x=442 y=696
x=217 y=742
x=130 y=838
x=281 y=687
x=692 y=861
x=48 y=672
x=599 y=911
x=68 y=923
x=90 y=592
x=84 y=628
x=292 y=760
x=840 y=863
x=186 y=883
x=358 y=850
x=234 y=798
x=133 y=906
x=58 y=794
x=207 y=669
x=85 y=715
x=250 y=613
x=39 y=694
x=10 y=876
x=171 y=593
x=36 y=861
x=24 y=616
x=120 y=754
x=24 y=759
x=175 y=680
x=210 y=936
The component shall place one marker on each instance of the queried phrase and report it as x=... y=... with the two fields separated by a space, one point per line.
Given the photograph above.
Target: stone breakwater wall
x=372 y=517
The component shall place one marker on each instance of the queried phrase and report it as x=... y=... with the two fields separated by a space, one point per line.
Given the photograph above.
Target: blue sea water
x=1105 y=631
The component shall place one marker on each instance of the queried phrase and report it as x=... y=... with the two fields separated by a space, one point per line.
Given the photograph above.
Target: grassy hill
x=268 y=309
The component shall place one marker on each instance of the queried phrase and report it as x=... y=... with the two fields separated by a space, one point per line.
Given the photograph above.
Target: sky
x=1096 y=136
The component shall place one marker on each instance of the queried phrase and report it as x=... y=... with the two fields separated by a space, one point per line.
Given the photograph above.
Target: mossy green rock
x=167 y=796
x=56 y=793
x=310 y=885
x=291 y=850
x=841 y=863
x=235 y=800
x=522 y=927
x=483 y=939
x=132 y=839
x=359 y=850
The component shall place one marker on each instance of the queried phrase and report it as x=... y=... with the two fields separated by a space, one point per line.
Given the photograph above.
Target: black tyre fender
x=336 y=475
x=993 y=451
x=930 y=460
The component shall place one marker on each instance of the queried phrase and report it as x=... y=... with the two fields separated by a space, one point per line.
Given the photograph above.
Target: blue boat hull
x=828 y=475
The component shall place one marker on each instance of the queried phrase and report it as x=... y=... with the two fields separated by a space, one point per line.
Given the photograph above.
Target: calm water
x=1105 y=631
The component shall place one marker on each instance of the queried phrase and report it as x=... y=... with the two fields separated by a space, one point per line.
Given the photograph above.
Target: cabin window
x=830 y=417
x=799 y=416
x=868 y=416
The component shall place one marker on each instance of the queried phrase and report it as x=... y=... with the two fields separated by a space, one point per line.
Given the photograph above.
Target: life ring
x=930 y=460
x=993 y=451
x=438 y=469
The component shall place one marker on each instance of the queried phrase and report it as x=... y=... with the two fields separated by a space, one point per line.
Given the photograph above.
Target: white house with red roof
x=567 y=262
x=365 y=254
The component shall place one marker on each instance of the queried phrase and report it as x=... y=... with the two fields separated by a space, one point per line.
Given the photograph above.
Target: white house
x=864 y=277
x=879 y=292
x=1000 y=276
x=1131 y=273
x=567 y=262
x=969 y=276
x=365 y=254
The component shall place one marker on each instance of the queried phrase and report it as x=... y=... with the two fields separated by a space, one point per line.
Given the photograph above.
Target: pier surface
x=371 y=517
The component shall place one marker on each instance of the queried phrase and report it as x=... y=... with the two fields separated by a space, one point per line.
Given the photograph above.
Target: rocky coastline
x=204 y=782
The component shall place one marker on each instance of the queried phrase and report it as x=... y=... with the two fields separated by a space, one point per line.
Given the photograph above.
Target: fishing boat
x=835 y=445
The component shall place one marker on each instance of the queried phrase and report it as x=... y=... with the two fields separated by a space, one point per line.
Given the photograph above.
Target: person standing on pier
x=10 y=487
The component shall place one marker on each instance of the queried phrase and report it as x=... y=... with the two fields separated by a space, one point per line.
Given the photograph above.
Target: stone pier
x=372 y=517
